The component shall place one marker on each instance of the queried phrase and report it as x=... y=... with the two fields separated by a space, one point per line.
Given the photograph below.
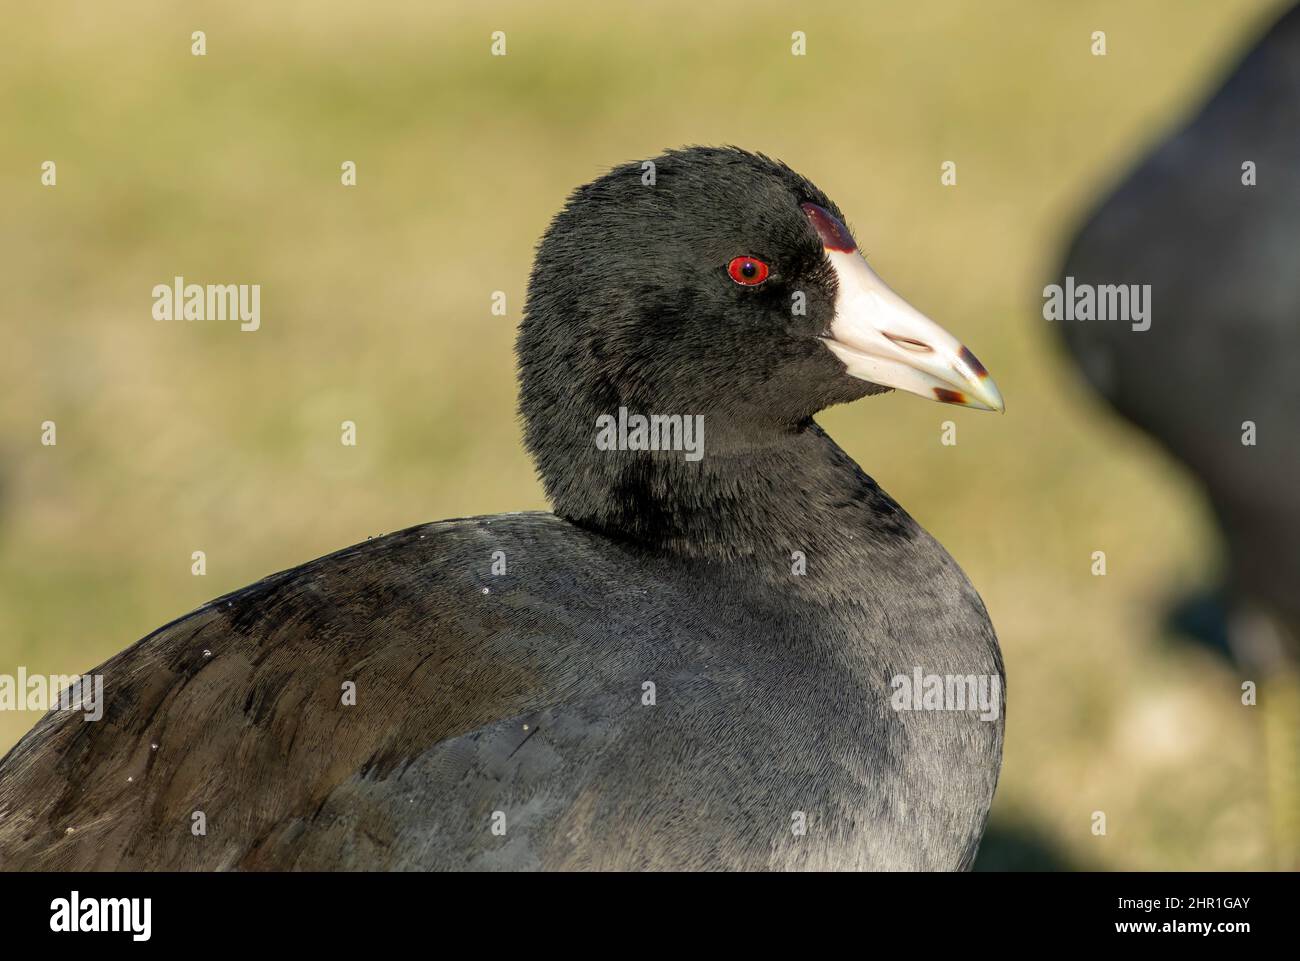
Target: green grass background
x=176 y=437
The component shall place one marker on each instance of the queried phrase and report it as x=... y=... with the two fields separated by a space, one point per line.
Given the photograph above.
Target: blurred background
x=175 y=437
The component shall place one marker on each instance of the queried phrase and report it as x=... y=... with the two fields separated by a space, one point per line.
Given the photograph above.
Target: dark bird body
x=1223 y=261
x=523 y=699
x=1216 y=378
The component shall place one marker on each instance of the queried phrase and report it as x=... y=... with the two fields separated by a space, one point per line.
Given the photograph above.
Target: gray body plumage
x=523 y=693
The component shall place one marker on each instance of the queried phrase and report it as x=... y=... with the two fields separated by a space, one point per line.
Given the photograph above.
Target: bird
x=1209 y=222
x=703 y=658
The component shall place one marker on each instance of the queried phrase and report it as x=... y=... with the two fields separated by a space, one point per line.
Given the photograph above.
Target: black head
x=631 y=300
x=709 y=282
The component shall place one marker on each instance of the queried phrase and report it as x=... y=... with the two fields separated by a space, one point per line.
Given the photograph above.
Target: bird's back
x=579 y=708
x=241 y=710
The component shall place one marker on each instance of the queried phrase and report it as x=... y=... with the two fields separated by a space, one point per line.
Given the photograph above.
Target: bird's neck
x=755 y=505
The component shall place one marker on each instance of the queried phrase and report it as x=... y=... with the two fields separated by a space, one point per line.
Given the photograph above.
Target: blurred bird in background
x=1210 y=219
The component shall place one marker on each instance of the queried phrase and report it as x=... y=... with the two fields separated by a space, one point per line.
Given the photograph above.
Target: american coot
x=1210 y=220
x=752 y=658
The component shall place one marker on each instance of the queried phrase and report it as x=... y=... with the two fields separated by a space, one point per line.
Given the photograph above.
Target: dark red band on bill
x=834 y=235
x=973 y=363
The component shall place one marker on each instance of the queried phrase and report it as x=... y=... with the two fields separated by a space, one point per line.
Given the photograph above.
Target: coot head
x=719 y=283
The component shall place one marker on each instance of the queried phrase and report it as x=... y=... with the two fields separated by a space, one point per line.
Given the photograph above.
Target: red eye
x=747 y=271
